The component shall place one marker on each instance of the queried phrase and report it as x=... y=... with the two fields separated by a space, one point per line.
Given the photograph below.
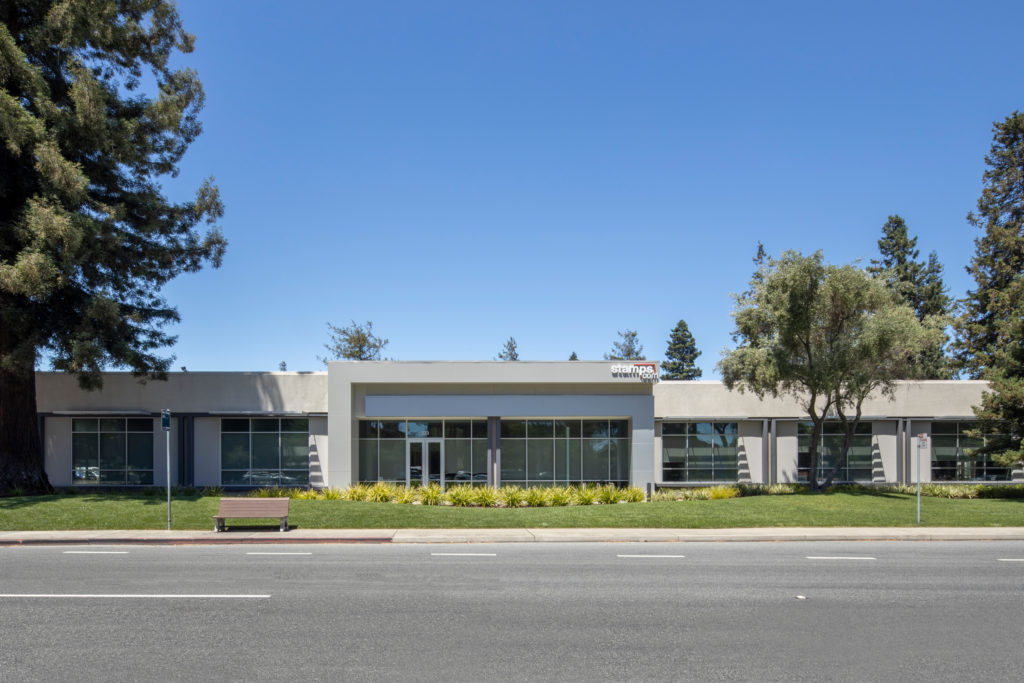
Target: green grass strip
x=138 y=511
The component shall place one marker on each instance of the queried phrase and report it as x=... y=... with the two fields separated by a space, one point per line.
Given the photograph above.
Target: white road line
x=823 y=557
x=1011 y=559
x=206 y=596
x=464 y=554
x=95 y=552
x=279 y=553
x=650 y=556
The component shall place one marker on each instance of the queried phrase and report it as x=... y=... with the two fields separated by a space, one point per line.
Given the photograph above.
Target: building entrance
x=424 y=462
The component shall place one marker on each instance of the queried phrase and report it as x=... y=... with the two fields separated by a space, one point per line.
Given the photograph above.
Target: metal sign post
x=922 y=442
x=165 y=422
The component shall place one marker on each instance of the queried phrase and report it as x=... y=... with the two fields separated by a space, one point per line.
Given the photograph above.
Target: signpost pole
x=922 y=441
x=165 y=422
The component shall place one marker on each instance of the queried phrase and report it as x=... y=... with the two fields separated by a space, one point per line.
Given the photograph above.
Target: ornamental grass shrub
x=559 y=496
x=381 y=492
x=485 y=496
x=461 y=495
x=406 y=496
x=511 y=496
x=356 y=492
x=537 y=497
x=332 y=494
x=431 y=494
x=584 y=495
x=723 y=492
x=609 y=494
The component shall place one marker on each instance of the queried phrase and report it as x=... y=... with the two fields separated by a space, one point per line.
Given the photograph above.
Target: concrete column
x=494 y=452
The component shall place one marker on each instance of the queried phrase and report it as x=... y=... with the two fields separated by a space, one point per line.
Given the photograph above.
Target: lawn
x=139 y=511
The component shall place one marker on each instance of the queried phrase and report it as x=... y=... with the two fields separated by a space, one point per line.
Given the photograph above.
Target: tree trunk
x=21 y=454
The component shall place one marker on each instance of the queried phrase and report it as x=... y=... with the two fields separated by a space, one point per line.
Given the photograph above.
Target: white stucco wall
x=360 y=389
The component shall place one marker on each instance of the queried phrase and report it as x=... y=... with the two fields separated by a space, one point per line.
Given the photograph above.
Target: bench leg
x=284 y=524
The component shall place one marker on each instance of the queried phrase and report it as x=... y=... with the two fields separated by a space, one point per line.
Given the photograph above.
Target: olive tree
x=828 y=336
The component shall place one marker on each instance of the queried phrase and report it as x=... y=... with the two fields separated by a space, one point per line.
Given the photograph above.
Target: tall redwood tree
x=87 y=237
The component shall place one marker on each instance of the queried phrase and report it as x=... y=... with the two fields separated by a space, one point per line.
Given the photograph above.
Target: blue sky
x=462 y=172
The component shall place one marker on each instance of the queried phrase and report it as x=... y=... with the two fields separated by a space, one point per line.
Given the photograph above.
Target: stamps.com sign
x=646 y=371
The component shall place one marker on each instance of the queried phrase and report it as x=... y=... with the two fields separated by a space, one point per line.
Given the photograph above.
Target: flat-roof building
x=486 y=423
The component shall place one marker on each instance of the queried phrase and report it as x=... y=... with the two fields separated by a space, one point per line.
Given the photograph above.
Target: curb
x=521 y=535
x=184 y=541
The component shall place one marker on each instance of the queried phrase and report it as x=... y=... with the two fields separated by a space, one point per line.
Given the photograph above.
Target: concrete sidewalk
x=767 y=534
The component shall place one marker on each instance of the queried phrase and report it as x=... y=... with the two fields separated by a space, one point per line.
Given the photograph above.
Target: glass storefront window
x=699 y=452
x=263 y=451
x=112 y=451
x=830 y=446
x=533 y=451
x=954 y=456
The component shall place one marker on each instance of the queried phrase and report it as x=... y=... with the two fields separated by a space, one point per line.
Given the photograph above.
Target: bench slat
x=251 y=508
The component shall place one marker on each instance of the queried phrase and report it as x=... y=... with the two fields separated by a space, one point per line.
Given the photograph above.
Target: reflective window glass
x=539 y=429
x=392 y=429
x=568 y=429
x=80 y=424
x=295 y=424
x=234 y=425
x=265 y=425
x=457 y=429
x=513 y=429
x=103 y=450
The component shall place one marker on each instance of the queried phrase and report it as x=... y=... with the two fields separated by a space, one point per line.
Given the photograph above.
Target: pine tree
x=990 y=330
x=355 y=342
x=681 y=356
x=573 y=356
x=919 y=285
x=627 y=348
x=1001 y=413
x=510 y=351
x=87 y=238
x=998 y=261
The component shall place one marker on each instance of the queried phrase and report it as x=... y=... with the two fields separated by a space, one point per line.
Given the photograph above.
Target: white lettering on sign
x=645 y=371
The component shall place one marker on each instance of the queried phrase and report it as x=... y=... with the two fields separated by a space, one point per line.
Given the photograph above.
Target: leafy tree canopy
x=627 y=348
x=826 y=335
x=681 y=356
x=87 y=237
x=354 y=342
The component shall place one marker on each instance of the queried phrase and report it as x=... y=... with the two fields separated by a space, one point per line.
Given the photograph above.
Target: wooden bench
x=251 y=508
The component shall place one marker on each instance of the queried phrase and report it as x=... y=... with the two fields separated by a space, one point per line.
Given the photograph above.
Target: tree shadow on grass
x=92 y=495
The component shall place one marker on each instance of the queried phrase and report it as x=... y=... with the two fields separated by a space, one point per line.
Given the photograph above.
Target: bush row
x=464 y=495
x=963 y=491
x=514 y=496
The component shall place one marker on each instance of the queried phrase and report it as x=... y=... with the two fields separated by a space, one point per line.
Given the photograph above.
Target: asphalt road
x=581 y=611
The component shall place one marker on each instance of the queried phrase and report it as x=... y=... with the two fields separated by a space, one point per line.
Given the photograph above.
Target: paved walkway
x=775 y=534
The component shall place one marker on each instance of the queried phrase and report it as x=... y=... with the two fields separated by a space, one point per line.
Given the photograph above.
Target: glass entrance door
x=424 y=462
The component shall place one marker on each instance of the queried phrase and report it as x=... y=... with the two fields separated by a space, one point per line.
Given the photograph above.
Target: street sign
x=165 y=422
